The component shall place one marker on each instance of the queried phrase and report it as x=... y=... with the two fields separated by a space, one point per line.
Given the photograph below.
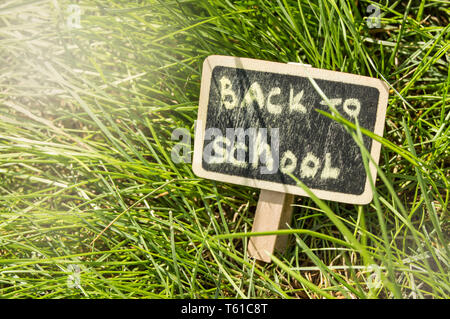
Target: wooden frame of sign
x=273 y=95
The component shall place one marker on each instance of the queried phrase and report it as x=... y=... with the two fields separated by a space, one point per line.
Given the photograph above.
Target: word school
x=254 y=94
x=233 y=150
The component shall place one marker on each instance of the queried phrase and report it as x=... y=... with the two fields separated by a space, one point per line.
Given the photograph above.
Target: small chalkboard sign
x=257 y=123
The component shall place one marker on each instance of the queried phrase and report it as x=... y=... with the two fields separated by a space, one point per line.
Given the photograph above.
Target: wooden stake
x=274 y=212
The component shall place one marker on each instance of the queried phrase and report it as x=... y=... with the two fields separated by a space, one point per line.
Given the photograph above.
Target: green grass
x=91 y=204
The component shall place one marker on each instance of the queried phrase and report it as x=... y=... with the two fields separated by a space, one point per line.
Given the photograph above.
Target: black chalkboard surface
x=258 y=123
